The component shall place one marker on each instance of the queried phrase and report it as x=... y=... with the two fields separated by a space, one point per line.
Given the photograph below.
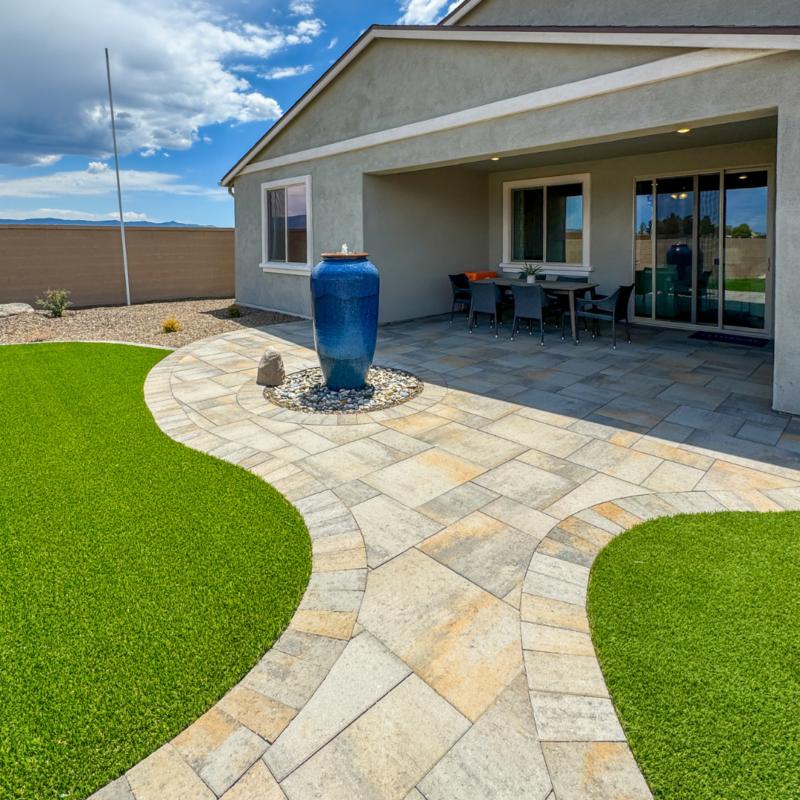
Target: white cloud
x=168 y=70
x=99 y=178
x=286 y=72
x=333 y=43
x=307 y=29
x=243 y=67
x=46 y=161
x=63 y=213
x=301 y=8
x=425 y=12
x=258 y=107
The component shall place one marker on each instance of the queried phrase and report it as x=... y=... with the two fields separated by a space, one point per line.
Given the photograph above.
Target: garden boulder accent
x=270 y=369
x=12 y=309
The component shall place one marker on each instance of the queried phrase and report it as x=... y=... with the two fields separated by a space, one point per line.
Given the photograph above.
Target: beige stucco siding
x=397 y=82
x=420 y=227
x=634 y=12
x=787 y=262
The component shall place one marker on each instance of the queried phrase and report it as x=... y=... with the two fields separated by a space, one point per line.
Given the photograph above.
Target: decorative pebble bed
x=136 y=323
x=305 y=391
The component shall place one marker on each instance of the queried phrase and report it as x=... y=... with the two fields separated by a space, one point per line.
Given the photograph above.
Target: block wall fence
x=163 y=263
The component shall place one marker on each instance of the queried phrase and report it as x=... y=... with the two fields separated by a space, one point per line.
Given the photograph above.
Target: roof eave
x=315 y=88
x=458 y=12
x=373 y=31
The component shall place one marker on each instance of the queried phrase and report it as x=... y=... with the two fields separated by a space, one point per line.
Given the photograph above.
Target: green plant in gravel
x=171 y=325
x=140 y=580
x=696 y=622
x=234 y=311
x=55 y=301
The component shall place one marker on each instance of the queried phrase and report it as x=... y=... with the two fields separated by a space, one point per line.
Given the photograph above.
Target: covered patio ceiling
x=703 y=135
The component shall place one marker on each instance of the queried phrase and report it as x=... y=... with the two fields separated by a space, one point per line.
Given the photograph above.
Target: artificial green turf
x=139 y=579
x=696 y=622
x=746 y=285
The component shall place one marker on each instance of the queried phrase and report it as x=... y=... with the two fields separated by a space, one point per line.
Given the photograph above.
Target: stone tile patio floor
x=442 y=648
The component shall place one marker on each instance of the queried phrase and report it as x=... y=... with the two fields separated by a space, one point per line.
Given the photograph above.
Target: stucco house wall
x=633 y=12
x=420 y=227
x=401 y=81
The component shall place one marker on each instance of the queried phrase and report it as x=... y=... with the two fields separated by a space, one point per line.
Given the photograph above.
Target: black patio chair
x=592 y=293
x=461 y=293
x=563 y=301
x=612 y=309
x=487 y=298
x=531 y=303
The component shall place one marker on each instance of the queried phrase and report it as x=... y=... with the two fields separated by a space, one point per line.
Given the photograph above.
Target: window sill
x=549 y=269
x=286 y=269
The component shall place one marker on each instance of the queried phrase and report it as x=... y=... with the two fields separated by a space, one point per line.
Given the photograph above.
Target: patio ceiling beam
x=654 y=72
x=670 y=38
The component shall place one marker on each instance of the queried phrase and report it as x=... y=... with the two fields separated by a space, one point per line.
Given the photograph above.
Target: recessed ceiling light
x=743 y=177
x=496 y=158
x=684 y=130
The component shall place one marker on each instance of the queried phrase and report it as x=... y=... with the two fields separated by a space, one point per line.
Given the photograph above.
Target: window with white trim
x=286 y=209
x=545 y=221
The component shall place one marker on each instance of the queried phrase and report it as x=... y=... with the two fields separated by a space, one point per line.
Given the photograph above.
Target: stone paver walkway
x=442 y=649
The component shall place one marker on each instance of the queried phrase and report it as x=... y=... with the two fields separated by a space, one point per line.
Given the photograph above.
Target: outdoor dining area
x=534 y=298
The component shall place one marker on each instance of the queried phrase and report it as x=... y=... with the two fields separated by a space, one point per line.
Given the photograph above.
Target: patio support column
x=786 y=392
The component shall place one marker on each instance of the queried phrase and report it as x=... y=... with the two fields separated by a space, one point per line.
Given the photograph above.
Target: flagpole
x=119 y=188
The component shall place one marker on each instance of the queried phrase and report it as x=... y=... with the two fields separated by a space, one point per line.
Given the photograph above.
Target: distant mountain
x=54 y=221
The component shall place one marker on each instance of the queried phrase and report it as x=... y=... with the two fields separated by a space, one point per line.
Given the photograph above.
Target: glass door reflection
x=643 y=249
x=674 y=254
x=708 y=261
x=746 y=249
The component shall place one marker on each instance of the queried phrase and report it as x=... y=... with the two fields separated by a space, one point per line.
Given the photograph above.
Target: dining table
x=563 y=288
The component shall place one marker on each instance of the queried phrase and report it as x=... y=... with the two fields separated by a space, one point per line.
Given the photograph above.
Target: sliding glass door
x=686 y=271
x=675 y=226
x=746 y=249
x=708 y=250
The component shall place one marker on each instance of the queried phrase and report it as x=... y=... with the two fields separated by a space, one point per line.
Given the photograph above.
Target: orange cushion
x=479 y=276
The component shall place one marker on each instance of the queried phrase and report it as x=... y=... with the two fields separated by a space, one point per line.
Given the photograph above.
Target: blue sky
x=195 y=85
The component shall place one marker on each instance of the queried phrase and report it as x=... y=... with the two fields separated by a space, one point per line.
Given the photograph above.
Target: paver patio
x=442 y=648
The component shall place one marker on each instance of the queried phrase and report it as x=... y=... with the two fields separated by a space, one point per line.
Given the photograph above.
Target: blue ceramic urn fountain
x=344 y=307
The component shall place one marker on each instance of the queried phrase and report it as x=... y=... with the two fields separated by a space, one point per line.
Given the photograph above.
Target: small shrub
x=234 y=311
x=55 y=301
x=171 y=325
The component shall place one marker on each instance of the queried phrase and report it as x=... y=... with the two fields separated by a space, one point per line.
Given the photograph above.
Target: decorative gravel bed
x=305 y=391
x=138 y=323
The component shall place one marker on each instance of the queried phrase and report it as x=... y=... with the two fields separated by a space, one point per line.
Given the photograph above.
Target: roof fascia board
x=748 y=41
x=632 y=77
x=355 y=50
x=728 y=41
x=459 y=12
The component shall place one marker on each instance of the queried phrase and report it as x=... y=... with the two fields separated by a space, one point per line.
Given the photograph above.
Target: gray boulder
x=12 y=309
x=270 y=370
